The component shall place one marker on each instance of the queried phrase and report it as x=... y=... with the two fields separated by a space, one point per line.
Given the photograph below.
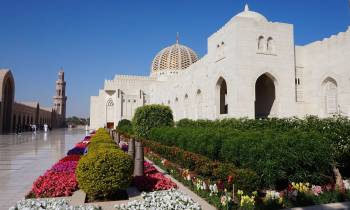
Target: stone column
x=131 y=148
x=138 y=167
x=117 y=137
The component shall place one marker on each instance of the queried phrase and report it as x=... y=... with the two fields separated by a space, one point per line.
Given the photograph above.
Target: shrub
x=276 y=156
x=245 y=179
x=336 y=129
x=103 y=172
x=151 y=116
x=125 y=126
x=96 y=146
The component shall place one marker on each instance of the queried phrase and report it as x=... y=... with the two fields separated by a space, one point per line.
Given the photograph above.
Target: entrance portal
x=8 y=97
x=264 y=96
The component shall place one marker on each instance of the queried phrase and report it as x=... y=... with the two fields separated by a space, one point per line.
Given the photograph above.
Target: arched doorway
x=221 y=87
x=8 y=92
x=330 y=88
x=265 y=96
x=110 y=113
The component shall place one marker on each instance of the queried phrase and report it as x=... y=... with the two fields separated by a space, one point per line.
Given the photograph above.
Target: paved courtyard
x=25 y=157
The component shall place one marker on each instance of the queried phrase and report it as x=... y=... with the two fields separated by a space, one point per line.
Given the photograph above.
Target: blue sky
x=94 y=40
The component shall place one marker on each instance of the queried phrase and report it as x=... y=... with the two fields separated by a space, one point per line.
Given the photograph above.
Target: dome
x=174 y=57
x=250 y=14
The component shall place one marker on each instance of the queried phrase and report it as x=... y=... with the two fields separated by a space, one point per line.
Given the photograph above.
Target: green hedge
x=125 y=126
x=277 y=157
x=335 y=129
x=105 y=170
x=151 y=116
x=244 y=179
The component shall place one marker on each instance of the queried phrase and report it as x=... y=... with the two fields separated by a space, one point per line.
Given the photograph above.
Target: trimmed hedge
x=125 y=126
x=103 y=172
x=106 y=169
x=151 y=116
x=335 y=129
x=277 y=157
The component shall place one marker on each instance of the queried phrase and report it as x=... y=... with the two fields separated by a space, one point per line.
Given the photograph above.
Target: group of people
x=32 y=127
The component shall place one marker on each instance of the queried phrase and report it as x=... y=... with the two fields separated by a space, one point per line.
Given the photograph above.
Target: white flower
x=49 y=203
x=272 y=195
x=159 y=200
x=213 y=189
x=347 y=184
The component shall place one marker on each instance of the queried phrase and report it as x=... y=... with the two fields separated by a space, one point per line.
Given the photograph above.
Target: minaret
x=60 y=99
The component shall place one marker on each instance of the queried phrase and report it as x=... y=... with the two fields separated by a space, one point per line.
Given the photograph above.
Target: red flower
x=70 y=158
x=230 y=179
x=152 y=180
x=55 y=184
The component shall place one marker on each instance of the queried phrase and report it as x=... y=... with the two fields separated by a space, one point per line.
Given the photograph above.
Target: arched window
x=261 y=43
x=186 y=96
x=270 y=45
x=199 y=92
x=330 y=96
x=110 y=102
x=221 y=88
x=110 y=111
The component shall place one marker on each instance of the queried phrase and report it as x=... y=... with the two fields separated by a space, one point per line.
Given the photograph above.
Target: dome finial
x=177 y=37
x=246 y=8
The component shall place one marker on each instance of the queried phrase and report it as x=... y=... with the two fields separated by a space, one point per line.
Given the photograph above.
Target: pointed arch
x=270 y=45
x=330 y=95
x=221 y=92
x=265 y=96
x=7 y=94
x=110 y=113
x=261 y=43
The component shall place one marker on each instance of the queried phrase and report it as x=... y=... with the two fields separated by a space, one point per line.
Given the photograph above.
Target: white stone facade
x=252 y=69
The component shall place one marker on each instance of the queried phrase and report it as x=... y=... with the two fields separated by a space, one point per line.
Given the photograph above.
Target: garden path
x=25 y=157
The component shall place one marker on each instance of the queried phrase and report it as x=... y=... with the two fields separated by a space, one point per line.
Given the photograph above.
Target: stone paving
x=25 y=157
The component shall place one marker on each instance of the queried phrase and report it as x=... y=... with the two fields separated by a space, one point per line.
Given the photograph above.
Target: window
x=261 y=43
x=270 y=45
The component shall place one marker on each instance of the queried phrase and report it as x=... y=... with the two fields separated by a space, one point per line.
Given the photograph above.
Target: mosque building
x=252 y=69
x=14 y=115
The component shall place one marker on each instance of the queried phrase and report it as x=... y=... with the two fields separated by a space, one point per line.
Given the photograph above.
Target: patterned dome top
x=174 y=57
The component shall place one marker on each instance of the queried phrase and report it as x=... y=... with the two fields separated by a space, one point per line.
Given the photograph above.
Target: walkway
x=25 y=157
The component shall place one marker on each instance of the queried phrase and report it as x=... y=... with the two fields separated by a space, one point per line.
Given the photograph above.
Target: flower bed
x=60 y=180
x=39 y=204
x=217 y=192
x=169 y=199
x=153 y=180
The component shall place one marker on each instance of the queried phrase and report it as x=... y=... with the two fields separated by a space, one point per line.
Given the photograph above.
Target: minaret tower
x=60 y=98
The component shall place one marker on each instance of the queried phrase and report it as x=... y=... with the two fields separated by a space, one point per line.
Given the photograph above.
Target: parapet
x=340 y=39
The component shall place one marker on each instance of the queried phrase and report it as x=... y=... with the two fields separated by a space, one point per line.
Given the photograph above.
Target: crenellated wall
x=324 y=59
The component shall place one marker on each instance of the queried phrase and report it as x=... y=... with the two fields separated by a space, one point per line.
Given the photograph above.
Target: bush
x=244 y=179
x=93 y=147
x=125 y=126
x=103 y=172
x=276 y=156
x=151 y=116
x=336 y=129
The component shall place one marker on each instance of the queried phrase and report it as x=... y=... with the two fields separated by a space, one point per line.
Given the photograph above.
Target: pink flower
x=316 y=190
